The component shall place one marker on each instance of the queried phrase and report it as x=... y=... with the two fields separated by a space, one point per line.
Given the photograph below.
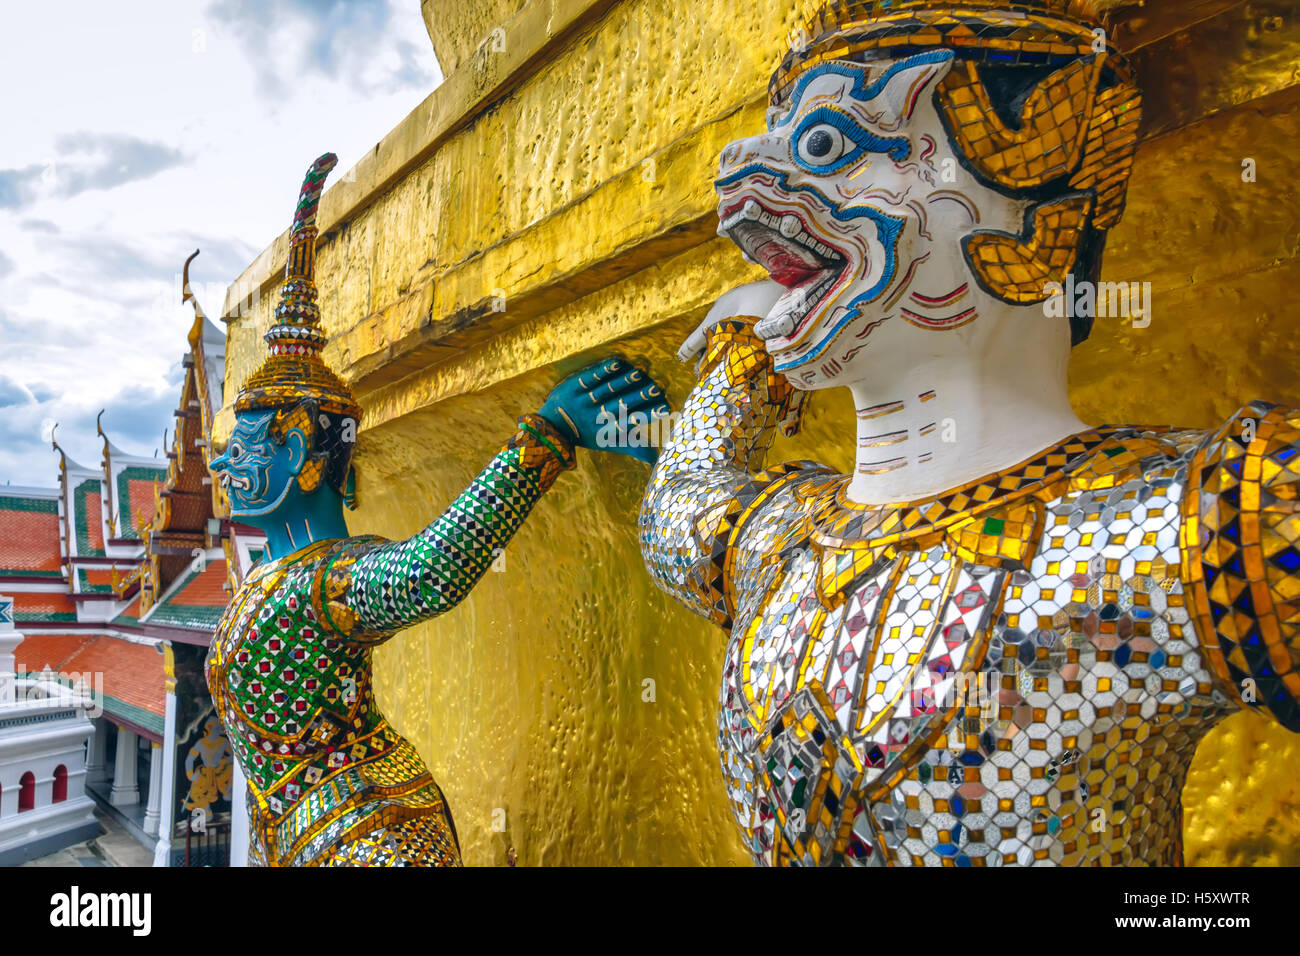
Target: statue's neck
x=943 y=425
x=301 y=520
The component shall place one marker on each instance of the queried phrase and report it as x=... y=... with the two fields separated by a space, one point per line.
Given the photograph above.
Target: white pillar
x=125 y=792
x=152 y=814
x=162 y=851
x=97 y=764
x=9 y=641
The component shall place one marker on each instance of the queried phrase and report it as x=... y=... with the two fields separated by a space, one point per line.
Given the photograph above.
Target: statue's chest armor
x=284 y=689
x=912 y=618
x=939 y=710
x=806 y=686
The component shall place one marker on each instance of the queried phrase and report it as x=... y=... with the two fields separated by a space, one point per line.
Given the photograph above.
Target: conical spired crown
x=294 y=370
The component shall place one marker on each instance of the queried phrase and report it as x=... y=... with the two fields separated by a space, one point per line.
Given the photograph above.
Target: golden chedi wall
x=552 y=201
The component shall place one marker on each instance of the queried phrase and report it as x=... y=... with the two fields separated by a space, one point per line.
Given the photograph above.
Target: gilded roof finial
x=108 y=468
x=54 y=443
x=186 y=294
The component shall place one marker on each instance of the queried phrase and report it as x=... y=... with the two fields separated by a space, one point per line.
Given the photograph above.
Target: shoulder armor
x=1241 y=545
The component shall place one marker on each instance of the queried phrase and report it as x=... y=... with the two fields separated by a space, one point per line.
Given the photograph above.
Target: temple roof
x=43 y=607
x=69 y=465
x=130 y=480
x=133 y=495
x=212 y=345
x=133 y=675
x=189 y=506
x=103 y=568
x=208 y=348
x=195 y=600
x=38 y=651
x=129 y=616
x=29 y=533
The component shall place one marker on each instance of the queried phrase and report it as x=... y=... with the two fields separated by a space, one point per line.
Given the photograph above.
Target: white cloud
x=86 y=161
x=13 y=394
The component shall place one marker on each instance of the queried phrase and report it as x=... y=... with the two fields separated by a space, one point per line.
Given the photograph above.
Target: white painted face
x=856 y=202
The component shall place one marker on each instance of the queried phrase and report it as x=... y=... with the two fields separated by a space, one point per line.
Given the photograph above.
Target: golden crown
x=1008 y=33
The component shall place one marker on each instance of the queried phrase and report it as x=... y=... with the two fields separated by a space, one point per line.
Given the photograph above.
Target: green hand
x=609 y=406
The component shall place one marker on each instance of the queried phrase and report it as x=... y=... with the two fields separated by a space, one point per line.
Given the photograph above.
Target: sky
x=132 y=134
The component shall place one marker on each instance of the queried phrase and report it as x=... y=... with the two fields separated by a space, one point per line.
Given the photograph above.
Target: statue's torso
x=323 y=766
x=923 y=687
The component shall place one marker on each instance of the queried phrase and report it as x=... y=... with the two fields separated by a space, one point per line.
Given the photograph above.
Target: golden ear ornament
x=1019 y=268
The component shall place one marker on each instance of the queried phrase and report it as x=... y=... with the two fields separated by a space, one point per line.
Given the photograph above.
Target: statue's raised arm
x=711 y=470
x=329 y=781
x=373 y=587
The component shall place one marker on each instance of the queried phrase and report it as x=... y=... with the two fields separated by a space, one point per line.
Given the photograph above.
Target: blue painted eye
x=822 y=144
x=828 y=140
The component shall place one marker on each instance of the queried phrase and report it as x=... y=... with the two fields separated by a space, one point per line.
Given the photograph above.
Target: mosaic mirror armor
x=1016 y=671
x=330 y=782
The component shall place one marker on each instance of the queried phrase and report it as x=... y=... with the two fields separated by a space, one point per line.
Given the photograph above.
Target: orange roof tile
x=205 y=589
x=198 y=602
x=29 y=536
x=142 y=503
x=134 y=674
x=39 y=651
x=88 y=507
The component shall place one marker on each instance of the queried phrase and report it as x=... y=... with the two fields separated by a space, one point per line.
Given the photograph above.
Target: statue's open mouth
x=782 y=243
x=231 y=480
